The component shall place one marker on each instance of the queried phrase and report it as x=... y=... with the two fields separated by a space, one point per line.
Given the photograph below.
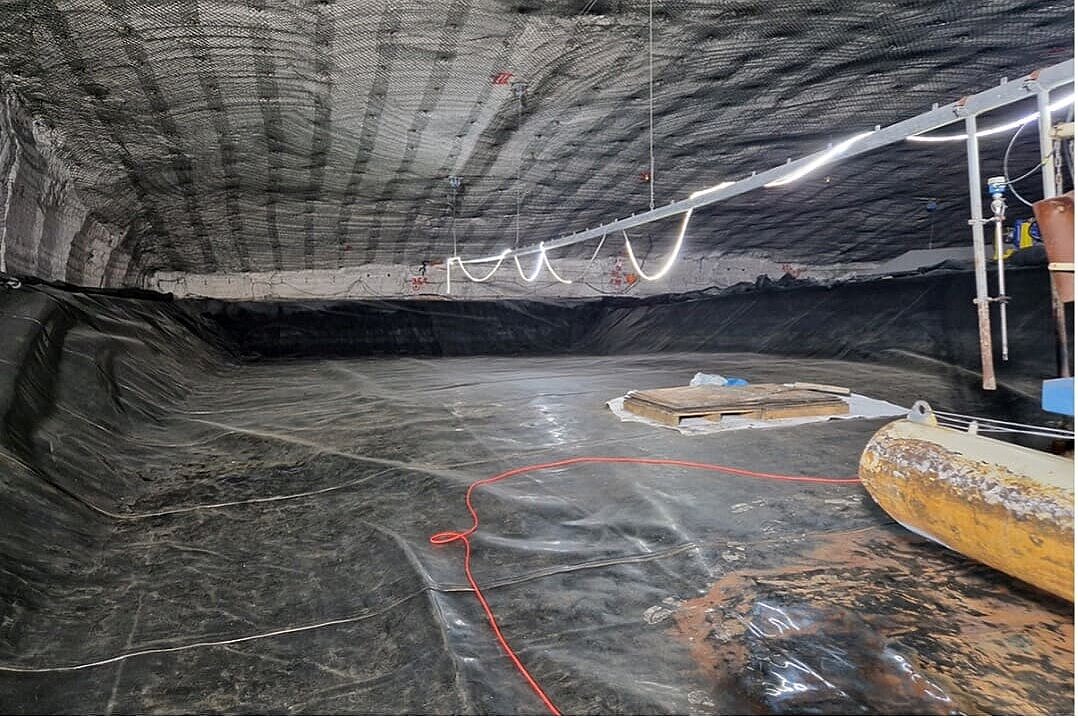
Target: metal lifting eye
x=921 y=413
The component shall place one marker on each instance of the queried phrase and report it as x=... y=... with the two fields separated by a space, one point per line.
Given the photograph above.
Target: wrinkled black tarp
x=159 y=493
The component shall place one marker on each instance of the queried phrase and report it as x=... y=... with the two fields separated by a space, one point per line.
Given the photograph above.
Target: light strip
x=482 y=260
x=669 y=261
x=709 y=190
x=550 y=269
x=819 y=162
x=804 y=169
x=538 y=266
x=539 y=263
x=1014 y=125
x=500 y=258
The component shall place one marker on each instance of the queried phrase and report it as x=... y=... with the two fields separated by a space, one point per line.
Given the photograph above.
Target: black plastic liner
x=931 y=315
x=254 y=536
x=926 y=320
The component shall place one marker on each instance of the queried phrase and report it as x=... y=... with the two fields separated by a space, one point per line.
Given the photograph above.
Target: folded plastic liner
x=182 y=531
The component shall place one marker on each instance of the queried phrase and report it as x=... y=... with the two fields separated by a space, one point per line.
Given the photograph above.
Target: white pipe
x=984 y=321
x=1002 y=291
x=1044 y=131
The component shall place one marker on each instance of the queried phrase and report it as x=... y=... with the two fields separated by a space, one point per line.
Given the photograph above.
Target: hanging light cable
x=542 y=261
x=794 y=171
x=538 y=265
x=669 y=260
x=460 y=263
x=549 y=268
x=518 y=90
x=598 y=247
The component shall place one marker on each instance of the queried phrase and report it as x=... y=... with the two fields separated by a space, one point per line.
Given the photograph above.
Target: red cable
x=448 y=537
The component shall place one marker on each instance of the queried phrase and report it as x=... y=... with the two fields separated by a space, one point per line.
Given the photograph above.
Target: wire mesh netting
x=260 y=136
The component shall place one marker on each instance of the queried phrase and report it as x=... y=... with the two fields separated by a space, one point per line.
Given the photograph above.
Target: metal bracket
x=922 y=413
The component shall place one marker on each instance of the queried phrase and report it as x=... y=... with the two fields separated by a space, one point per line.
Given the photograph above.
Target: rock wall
x=46 y=230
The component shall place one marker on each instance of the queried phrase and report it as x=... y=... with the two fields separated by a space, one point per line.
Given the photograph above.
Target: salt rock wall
x=46 y=230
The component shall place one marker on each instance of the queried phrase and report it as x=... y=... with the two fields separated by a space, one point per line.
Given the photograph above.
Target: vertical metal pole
x=976 y=222
x=1044 y=127
x=1002 y=298
x=1048 y=184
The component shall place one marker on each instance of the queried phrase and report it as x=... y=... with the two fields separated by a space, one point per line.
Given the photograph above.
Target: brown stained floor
x=878 y=621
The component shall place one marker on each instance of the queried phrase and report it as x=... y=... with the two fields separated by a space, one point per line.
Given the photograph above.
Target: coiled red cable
x=448 y=537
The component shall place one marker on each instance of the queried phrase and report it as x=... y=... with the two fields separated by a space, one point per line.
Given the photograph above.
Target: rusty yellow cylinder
x=1004 y=505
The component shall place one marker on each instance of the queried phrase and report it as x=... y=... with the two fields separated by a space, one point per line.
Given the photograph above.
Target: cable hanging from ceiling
x=651 y=165
x=518 y=91
x=454 y=187
x=651 y=103
x=543 y=260
x=831 y=154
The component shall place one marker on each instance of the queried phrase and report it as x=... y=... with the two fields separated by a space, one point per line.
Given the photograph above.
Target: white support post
x=980 y=266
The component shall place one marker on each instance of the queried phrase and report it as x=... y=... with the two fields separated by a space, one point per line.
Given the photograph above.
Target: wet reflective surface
x=876 y=621
x=258 y=535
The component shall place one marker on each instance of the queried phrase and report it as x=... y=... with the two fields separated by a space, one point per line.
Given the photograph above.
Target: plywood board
x=758 y=401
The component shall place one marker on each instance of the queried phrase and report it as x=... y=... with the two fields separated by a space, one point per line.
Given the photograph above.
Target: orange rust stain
x=991 y=648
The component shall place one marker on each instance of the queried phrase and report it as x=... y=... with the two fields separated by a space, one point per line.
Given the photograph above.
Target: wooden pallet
x=756 y=401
